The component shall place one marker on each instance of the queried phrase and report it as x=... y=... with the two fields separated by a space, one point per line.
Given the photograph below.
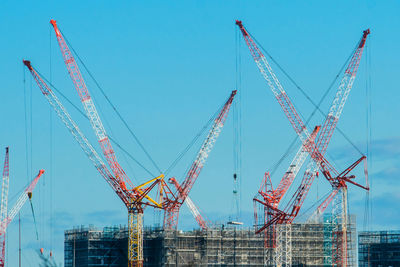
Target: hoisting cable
x=194 y=140
x=51 y=141
x=368 y=107
x=26 y=124
x=237 y=133
x=33 y=213
x=316 y=106
x=84 y=115
x=113 y=106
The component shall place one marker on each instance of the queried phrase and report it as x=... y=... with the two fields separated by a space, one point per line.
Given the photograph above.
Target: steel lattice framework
x=4 y=204
x=172 y=211
x=192 y=207
x=270 y=198
x=135 y=198
x=27 y=194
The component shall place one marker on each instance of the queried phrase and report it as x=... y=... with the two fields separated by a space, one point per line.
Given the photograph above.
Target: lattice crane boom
x=85 y=145
x=317 y=153
x=326 y=134
x=5 y=186
x=172 y=212
x=275 y=86
x=137 y=196
x=4 y=204
x=27 y=194
x=294 y=167
x=341 y=96
x=20 y=202
x=192 y=207
x=134 y=220
x=91 y=110
x=329 y=124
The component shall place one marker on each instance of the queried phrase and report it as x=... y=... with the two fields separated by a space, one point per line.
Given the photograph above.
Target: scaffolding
x=219 y=246
x=89 y=246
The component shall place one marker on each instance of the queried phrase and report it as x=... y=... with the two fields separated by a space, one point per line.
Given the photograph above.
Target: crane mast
x=4 y=204
x=172 y=211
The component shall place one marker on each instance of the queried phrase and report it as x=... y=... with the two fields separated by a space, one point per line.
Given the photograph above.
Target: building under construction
x=379 y=248
x=220 y=246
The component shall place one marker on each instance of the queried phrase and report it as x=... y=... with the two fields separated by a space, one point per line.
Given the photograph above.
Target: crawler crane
x=270 y=198
x=135 y=198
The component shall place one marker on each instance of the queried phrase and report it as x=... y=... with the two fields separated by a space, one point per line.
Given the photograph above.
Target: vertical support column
x=135 y=239
x=339 y=233
x=288 y=245
x=344 y=227
x=283 y=252
x=279 y=248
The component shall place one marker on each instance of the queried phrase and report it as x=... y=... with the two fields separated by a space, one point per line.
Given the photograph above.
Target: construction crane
x=337 y=180
x=293 y=116
x=135 y=198
x=27 y=194
x=290 y=112
x=192 y=207
x=172 y=209
x=319 y=148
x=270 y=197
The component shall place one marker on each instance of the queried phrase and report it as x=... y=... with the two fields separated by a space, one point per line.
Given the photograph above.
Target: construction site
x=306 y=205
x=311 y=245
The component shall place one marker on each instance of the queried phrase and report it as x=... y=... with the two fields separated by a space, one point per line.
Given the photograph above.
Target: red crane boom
x=192 y=207
x=270 y=198
x=172 y=211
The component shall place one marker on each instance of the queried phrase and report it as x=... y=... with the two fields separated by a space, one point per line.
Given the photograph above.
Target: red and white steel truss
x=172 y=211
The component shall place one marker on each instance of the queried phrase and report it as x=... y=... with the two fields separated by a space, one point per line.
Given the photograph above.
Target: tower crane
x=135 y=198
x=172 y=210
x=27 y=194
x=308 y=147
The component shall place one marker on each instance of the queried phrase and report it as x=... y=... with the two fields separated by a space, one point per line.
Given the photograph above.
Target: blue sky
x=168 y=66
